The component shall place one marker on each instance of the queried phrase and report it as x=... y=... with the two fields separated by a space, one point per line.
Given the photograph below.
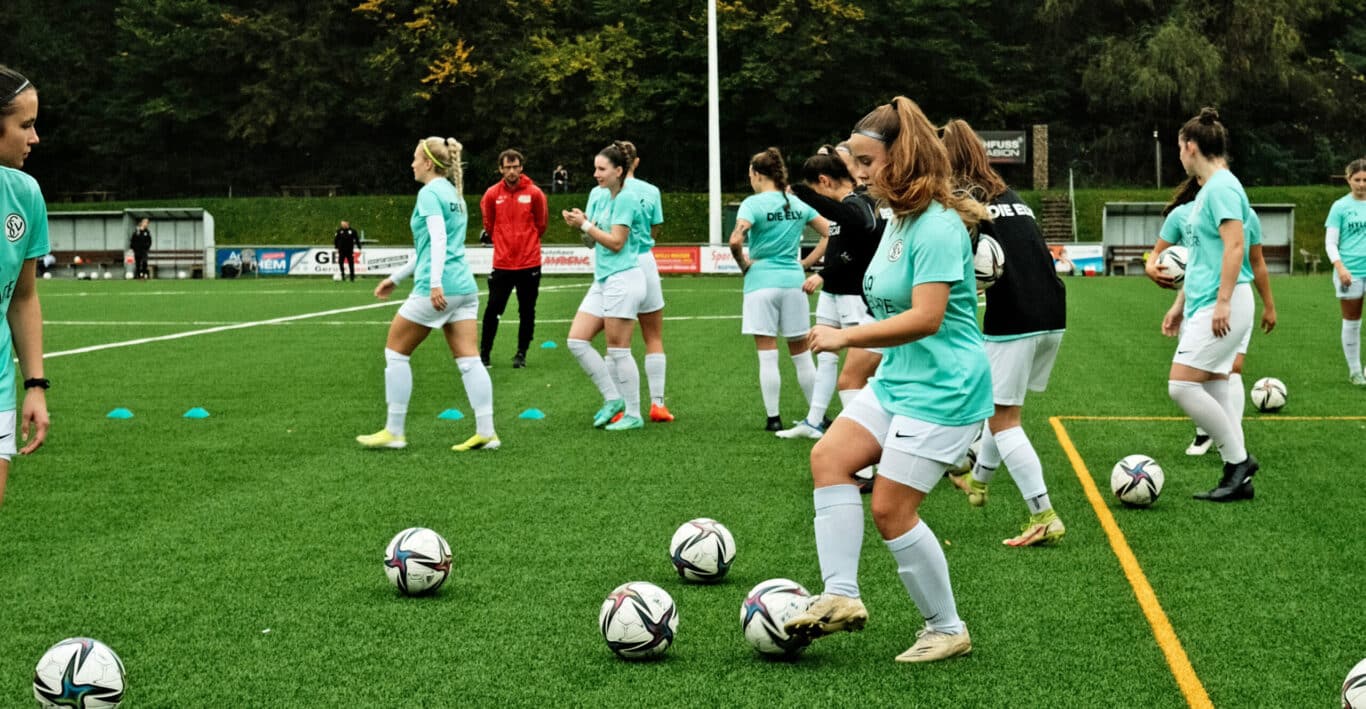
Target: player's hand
x=824 y=338
x=1158 y=274
x=1219 y=322
x=1268 y=318
x=485 y=237
x=573 y=217
x=438 y=299
x=1344 y=276
x=1171 y=324
x=33 y=428
x=384 y=288
x=813 y=284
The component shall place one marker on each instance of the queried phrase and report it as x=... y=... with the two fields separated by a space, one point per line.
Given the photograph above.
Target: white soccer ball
x=767 y=608
x=1268 y=395
x=48 y=275
x=1354 y=688
x=127 y=275
x=336 y=277
x=79 y=672
x=417 y=561
x=108 y=275
x=1137 y=480
x=702 y=550
x=1174 y=259
x=638 y=620
x=182 y=275
x=989 y=261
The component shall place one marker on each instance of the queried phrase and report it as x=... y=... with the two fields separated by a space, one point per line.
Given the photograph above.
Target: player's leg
x=461 y=336
x=1351 y=329
x=588 y=322
x=500 y=288
x=760 y=320
x=826 y=375
x=794 y=321
x=656 y=363
x=622 y=295
x=404 y=337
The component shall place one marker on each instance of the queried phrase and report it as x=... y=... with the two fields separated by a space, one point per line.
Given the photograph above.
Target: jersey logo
x=15 y=227
x=894 y=253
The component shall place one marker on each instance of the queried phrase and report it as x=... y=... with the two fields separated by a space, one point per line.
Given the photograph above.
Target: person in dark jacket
x=141 y=242
x=346 y=242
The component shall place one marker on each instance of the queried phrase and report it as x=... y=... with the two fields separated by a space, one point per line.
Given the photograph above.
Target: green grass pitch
x=180 y=543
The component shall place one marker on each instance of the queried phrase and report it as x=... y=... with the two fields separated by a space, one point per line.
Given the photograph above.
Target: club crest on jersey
x=15 y=227
x=894 y=252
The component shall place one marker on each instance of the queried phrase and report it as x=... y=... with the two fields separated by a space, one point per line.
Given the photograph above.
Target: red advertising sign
x=678 y=259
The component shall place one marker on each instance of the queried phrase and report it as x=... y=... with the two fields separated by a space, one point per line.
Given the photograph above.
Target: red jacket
x=516 y=219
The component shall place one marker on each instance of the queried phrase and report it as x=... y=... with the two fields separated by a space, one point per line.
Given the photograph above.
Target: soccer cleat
x=1042 y=528
x=1235 y=484
x=828 y=613
x=931 y=645
x=484 y=359
x=801 y=430
x=519 y=360
x=1200 y=445
x=1358 y=379
x=774 y=424
x=659 y=413
x=977 y=492
x=478 y=442
x=609 y=411
x=626 y=423
x=383 y=439
x=959 y=480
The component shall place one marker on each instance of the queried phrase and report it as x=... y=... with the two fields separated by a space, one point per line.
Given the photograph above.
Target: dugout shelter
x=1129 y=230
x=182 y=242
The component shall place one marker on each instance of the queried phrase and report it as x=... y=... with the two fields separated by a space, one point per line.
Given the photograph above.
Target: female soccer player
x=1345 y=243
x=1218 y=309
x=438 y=225
x=652 y=307
x=855 y=229
x=1023 y=327
x=774 y=273
x=26 y=231
x=931 y=393
x=613 y=301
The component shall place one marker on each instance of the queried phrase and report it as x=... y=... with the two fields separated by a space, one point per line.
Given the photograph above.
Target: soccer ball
x=79 y=672
x=1354 y=688
x=182 y=275
x=417 y=561
x=336 y=276
x=767 y=608
x=1268 y=395
x=989 y=261
x=638 y=620
x=127 y=275
x=1174 y=259
x=702 y=550
x=108 y=275
x=48 y=275
x=1137 y=480
x=77 y=260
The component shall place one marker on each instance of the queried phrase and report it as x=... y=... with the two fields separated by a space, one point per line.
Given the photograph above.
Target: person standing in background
x=514 y=211
x=346 y=242
x=140 y=243
x=559 y=180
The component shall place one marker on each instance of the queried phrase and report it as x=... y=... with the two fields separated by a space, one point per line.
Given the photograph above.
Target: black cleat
x=519 y=360
x=775 y=423
x=484 y=359
x=1235 y=484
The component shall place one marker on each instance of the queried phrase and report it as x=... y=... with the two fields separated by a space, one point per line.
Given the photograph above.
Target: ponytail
x=1185 y=192
x=770 y=164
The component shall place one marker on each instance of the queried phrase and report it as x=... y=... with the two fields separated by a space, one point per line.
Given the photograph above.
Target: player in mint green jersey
x=25 y=219
x=444 y=297
x=652 y=307
x=1345 y=243
x=929 y=398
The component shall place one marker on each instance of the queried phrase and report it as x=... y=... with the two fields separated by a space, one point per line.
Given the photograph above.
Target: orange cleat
x=659 y=413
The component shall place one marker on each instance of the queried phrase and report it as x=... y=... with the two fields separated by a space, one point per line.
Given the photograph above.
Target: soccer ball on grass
x=702 y=550
x=767 y=608
x=638 y=620
x=1137 y=480
x=79 y=672
x=417 y=561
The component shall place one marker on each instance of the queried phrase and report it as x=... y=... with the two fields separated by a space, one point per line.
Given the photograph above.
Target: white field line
x=332 y=323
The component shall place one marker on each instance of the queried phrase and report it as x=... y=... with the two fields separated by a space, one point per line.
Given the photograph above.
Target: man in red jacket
x=514 y=211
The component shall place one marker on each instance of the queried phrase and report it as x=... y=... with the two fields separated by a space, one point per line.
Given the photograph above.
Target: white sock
x=1218 y=388
x=479 y=389
x=924 y=572
x=988 y=457
x=839 y=537
x=1208 y=413
x=1236 y=403
x=1024 y=466
x=827 y=373
x=628 y=378
x=654 y=373
x=770 y=380
x=398 y=389
x=594 y=366
x=806 y=375
x=1351 y=345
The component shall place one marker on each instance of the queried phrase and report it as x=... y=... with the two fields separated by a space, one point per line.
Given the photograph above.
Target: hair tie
x=431 y=157
x=18 y=91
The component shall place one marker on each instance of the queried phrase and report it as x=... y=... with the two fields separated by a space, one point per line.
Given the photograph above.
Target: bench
x=189 y=260
x=1310 y=259
x=1122 y=257
x=1278 y=254
x=309 y=190
x=94 y=264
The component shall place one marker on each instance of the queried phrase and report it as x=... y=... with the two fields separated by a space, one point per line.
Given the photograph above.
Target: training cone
x=450 y=415
x=196 y=413
x=549 y=345
x=120 y=413
x=532 y=414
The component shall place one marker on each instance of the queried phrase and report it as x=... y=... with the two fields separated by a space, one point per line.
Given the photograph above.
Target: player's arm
x=436 y=228
x=1171 y=322
x=930 y=301
x=25 y=318
x=1330 y=244
x=737 y=244
x=1261 y=278
x=822 y=227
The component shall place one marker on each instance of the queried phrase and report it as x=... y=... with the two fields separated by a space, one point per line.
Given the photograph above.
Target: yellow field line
x=1180 y=665
x=1276 y=417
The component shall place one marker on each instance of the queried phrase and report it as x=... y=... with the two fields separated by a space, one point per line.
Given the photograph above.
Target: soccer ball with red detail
x=702 y=550
x=1173 y=260
x=767 y=608
x=1268 y=395
x=417 y=561
x=638 y=620
x=79 y=672
x=1137 y=480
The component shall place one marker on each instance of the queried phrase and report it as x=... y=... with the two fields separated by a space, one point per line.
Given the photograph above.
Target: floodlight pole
x=713 y=128
x=1157 y=147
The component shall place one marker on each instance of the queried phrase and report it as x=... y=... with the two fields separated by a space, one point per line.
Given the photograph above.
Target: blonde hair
x=445 y=156
x=972 y=170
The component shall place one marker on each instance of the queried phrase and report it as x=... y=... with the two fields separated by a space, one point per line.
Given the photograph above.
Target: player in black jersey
x=1024 y=323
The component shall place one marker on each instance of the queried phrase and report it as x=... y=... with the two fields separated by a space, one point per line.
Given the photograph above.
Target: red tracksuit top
x=516 y=219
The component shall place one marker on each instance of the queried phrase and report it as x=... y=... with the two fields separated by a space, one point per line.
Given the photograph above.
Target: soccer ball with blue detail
x=1268 y=395
x=1172 y=261
x=417 y=561
x=702 y=550
x=81 y=673
x=767 y=608
x=1137 y=480
x=638 y=620
x=989 y=262
x=1354 y=688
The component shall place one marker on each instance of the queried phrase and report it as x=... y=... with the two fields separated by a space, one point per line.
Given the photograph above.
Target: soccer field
x=236 y=560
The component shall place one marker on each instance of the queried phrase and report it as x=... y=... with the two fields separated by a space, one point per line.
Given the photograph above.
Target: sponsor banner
x=1078 y=259
x=717 y=259
x=1004 y=147
x=566 y=259
x=678 y=259
x=263 y=261
x=378 y=260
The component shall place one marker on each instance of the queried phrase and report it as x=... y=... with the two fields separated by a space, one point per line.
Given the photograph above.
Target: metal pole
x=713 y=126
x=1157 y=147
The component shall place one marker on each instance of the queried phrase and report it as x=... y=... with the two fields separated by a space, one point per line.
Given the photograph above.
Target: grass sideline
x=180 y=542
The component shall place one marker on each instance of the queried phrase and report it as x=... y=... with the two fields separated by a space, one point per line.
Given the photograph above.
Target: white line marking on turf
x=333 y=323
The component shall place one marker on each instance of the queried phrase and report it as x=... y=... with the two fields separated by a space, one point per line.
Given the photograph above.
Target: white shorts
x=418 y=309
x=617 y=296
x=1242 y=346
x=7 y=444
x=841 y=310
x=903 y=436
x=1021 y=365
x=654 y=291
x=1200 y=349
x=1354 y=290
x=776 y=311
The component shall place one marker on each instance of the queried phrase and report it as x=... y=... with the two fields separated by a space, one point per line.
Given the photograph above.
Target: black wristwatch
x=39 y=382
